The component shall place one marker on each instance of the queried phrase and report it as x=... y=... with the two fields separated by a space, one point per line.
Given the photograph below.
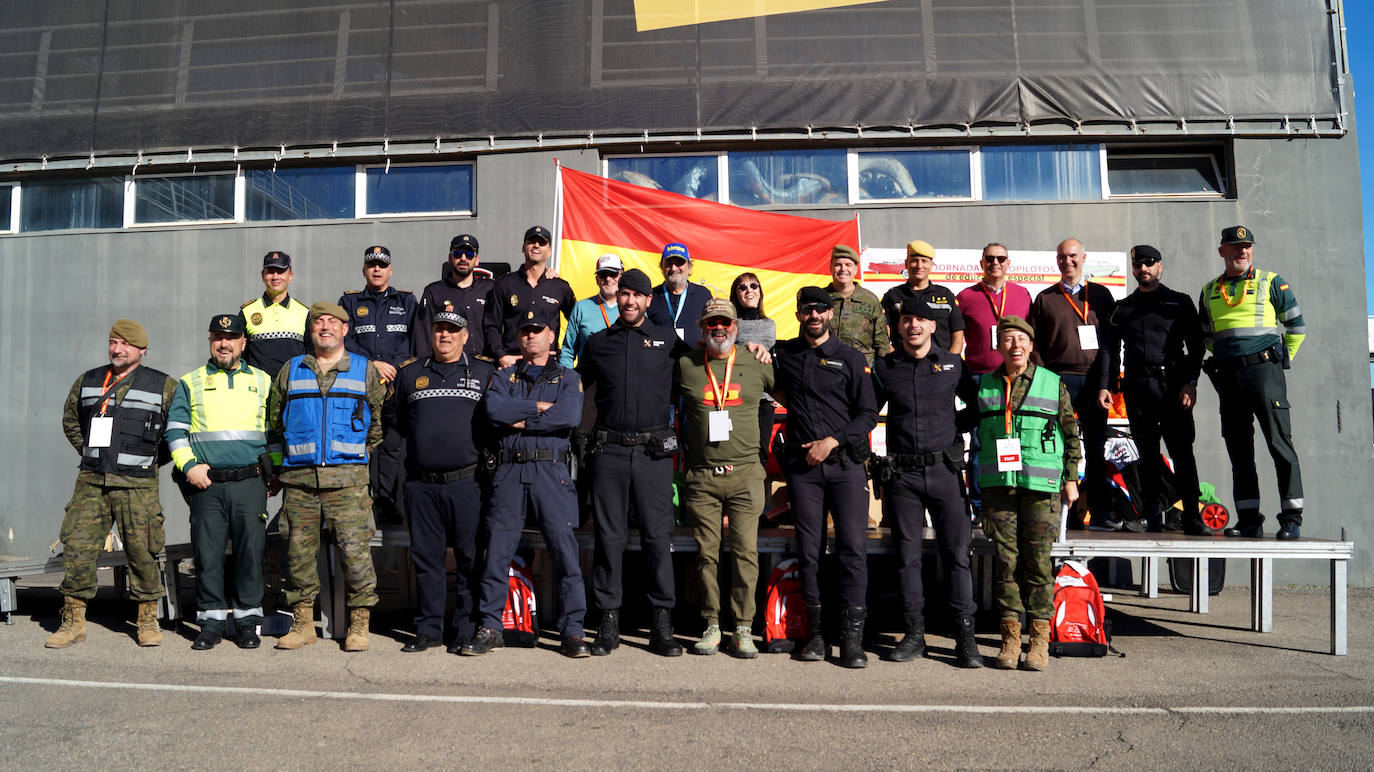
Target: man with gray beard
x=678 y=301
x=721 y=387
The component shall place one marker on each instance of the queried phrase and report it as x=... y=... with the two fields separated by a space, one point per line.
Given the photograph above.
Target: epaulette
x=405 y=292
x=249 y=303
x=484 y=358
x=408 y=361
x=351 y=292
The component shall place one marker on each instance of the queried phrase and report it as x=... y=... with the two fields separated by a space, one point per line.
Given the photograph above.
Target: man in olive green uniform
x=326 y=408
x=114 y=417
x=859 y=319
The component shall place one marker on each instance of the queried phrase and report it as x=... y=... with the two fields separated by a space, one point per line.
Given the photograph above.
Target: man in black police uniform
x=461 y=290
x=630 y=364
x=437 y=409
x=380 y=320
x=925 y=450
x=1163 y=342
x=516 y=293
x=534 y=405
x=276 y=321
x=827 y=388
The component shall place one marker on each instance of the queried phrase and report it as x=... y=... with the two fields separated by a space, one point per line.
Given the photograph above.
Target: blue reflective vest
x=322 y=430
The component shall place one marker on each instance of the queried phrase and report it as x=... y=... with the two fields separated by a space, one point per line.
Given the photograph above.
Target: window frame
x=1215 y=156
x=360 y=211
x=131 y=199
x=16 y=191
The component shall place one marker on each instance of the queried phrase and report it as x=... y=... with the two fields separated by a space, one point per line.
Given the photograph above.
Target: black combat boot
x=965 y=647
x=661 y=640
x=913 y=644
x=608 y=633
x=852 y=638
x=815 y=648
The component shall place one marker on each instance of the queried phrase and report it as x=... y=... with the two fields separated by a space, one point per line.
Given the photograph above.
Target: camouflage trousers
x=346 y=511
x=92 y=509
x=1022 y=526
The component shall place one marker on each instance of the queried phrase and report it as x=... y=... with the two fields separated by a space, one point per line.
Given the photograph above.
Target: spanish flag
x=598 y=216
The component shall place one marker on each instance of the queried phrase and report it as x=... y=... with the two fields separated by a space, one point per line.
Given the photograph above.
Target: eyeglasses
x=1139 y=261
x=995 y=258
x=742 y=286
x=717 y=323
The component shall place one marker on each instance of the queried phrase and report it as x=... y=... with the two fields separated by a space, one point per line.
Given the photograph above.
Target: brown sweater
x=1056 y=327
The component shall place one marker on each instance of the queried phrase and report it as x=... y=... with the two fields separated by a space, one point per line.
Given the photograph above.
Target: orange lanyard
x=1226 y=296
x=1081 y=314
x=601 y=306
x=105 y=388
x=997 y=310
x=1006 y=402
x=717 y=393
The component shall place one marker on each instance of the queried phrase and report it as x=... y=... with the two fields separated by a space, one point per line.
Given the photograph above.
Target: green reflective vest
x=1036 y=422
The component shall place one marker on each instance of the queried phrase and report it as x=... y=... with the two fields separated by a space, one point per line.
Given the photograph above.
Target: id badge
x=718 y=426
x=1009 y=454
x=1087 y=337
x=992 y=338
x=102 y=427
x=681 y=332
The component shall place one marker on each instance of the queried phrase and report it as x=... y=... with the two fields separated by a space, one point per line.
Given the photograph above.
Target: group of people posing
x=462 y=407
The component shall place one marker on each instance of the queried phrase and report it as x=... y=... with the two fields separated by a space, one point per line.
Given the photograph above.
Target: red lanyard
x=996 y=310
x=717 y=393
x=1081 y=314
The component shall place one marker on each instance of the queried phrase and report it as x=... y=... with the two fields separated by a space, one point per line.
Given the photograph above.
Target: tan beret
x=326 y=309
x=922 y=248
x=844 y=251
x=1011 y=322
x=130 y=331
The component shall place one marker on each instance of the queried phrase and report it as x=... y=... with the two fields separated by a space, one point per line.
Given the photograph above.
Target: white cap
x=609 y=262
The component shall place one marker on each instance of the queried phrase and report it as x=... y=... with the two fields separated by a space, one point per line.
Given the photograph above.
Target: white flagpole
x=557 y=214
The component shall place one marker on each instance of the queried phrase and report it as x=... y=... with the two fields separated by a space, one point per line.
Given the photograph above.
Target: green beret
x=844 y=251
x=130 y=331
x=1010 y=322
x=326 y=309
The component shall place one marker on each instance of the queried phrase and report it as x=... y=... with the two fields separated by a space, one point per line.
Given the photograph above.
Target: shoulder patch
x=1283 y=286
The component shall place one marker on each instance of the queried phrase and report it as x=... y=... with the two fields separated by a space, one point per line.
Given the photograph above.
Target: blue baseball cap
x=675 y=251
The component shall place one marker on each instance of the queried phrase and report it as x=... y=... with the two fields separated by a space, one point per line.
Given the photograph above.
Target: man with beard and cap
x=461 y=291
x=827 y=388
x=679 y=301
x=217 y=432
x=114 y=418
x=949 y=322
x=925 y=450
x=1163 y=342
x=438 y=409
x=724 y=480
x=275 y=322
x=325 y=409
x=516 y=293
x=534 y=405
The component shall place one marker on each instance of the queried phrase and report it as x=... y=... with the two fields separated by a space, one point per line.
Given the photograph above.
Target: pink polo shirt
x=981 y=310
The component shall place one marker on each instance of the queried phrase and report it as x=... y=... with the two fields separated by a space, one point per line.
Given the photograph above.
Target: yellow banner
x=661 y=14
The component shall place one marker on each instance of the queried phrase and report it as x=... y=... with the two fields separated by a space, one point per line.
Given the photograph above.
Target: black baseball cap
x=813 y=296
x=916 y=307
x=276 y=259
x=1237 y=234
x=229 y=324
x=463 y=242
x=377 y=254
x=637 y=280
x=538 y=231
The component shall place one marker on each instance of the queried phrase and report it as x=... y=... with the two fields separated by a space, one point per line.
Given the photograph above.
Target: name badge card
x=1087 y=337
x=681 y=332
x=718 y=426
x=1009 y=454
x=102 y=427
x=992 y=338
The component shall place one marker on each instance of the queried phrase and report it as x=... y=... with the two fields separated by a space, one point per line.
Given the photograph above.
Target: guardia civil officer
x=437 y=409
x=534 y=405
x=529 y=287
x=925 y=450
x=1241 y=313
x=276 y=321
x=1163 y=344
x=828 y=390
x=217 y=432
x=114 y=417
x=630 y=364
x=462 y=290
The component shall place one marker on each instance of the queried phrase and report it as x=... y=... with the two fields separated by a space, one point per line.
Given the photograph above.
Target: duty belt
x=1239 y=363
x=461 y=473
x=235 y=474
x=529 y=456
x=912 y=461
x=623 y=438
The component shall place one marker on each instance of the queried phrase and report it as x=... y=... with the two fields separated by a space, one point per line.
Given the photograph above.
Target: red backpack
x=785 y=612
x=1079 y=627
x=520 y=619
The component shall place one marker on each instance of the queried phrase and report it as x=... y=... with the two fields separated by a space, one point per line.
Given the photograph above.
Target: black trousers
x=224 y=513
x=623 y=476
x=1155 y=414
x=910 y=495
x=444 y=515
x=840 y=488
x=1259 y=392
x=1092 y=424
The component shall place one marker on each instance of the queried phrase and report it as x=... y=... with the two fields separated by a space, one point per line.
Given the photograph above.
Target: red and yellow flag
x=786 y=252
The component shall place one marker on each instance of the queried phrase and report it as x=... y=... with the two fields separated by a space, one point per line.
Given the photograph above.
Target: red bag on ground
x=1079 y=625
x=785 y=612
x=520 y=620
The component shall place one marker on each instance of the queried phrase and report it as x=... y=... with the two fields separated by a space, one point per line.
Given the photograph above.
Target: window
x=51 y=205
x=1042 y=172
x=697 y=176
x=1132 y=173
x=913 y=175
x=789 y=177
x=325 y=193
x=182 y=198
x=8 y=202
x=416 y=189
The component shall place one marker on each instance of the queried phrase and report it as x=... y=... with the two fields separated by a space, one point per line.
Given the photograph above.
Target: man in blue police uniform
x=437 y=408
x=516 y=293
x=828 y=390
x=679 y=301
x=534 y=404
x=462 y=291
x=925 y=451
x=275 y=322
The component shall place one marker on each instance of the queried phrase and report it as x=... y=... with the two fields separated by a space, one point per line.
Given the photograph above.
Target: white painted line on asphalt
x=647 y=705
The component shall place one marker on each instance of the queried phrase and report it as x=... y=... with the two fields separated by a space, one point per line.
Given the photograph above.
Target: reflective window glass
x=689 y=175
x=325 y=193
x=52 y=205
x=184 y=199
x=418 y=189
x=789 y=177
x=914 y=174
x=1163 y=175
x=1041 y=173
x=6 y=197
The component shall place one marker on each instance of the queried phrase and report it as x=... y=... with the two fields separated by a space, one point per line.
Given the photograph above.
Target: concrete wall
x=61 y=291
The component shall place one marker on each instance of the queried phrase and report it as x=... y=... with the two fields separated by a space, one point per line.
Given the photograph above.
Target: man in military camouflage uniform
x=859 y=320
x=326 y=408
x=114 y=417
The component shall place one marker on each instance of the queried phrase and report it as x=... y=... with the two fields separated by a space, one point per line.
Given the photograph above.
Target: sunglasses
x=469 y=254
x=742 y=286
x=995 y=258
x=717 y=323
x=608 y=274
x=540 y=242
x=1139 y=261
x=815 y=308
